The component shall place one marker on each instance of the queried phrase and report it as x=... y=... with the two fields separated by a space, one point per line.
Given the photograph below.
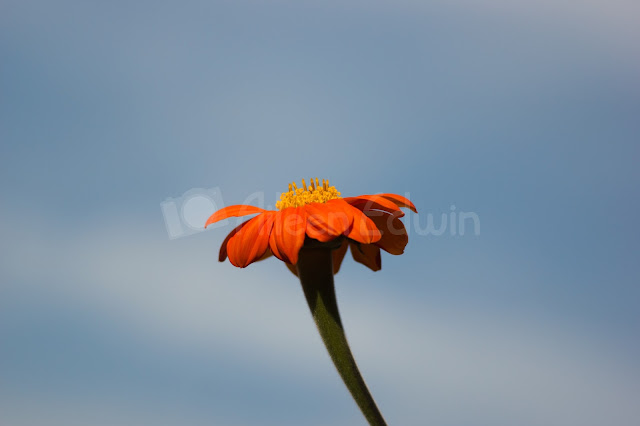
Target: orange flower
x=367 y=223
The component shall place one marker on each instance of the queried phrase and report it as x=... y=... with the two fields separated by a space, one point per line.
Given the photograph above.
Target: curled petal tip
x=400 y=201
x=232 y=211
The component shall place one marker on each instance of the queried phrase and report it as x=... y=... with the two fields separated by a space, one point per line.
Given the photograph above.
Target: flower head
x=367 y=223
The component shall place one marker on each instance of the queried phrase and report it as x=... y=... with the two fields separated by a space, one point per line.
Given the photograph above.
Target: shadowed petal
x=394 y=235
x=287 y=235
x=232 y=211
x=400 y=201
x=368 y=255
x=251 y=242
x=373 y=202
x=292 y=268
x=338 y=255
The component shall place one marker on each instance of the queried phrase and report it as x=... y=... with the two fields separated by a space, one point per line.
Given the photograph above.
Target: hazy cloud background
x=524 y=113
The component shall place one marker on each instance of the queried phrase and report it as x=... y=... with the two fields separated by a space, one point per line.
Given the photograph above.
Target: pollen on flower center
x=314 y=193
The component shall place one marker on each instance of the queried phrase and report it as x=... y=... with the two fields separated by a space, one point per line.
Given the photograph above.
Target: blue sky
x=524 y=114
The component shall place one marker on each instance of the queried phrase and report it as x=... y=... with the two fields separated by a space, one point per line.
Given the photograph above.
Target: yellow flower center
x=314 y=193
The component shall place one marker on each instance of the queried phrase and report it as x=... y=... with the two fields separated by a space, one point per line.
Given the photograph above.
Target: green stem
x=316 y=276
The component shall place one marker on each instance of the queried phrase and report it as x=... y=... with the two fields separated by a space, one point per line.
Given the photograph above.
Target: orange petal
x=373 y=202
x=288 y=234
x=400 y=201
x=267 y=254
x=338 y=255
x=232 y=211
x=394 y=235
x=326 y=221
x=222 y=255
x=368 y=255
x=273 y=245
x=251 y=242
x=363 y=230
